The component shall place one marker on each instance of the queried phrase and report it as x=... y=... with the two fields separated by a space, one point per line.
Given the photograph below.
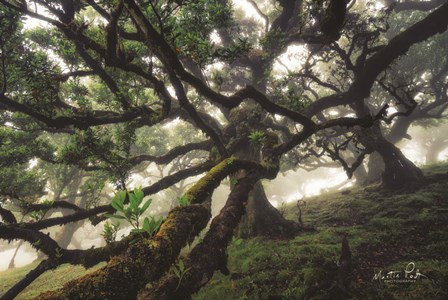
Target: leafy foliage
x=257 y=137
x=110 y=231
x=133 y=211
x=169 y=89
x=179 y=270
x=182 y=30
x=16 y=151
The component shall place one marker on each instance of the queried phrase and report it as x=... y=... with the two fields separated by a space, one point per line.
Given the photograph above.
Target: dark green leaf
x=145 y=206
x=116 y=216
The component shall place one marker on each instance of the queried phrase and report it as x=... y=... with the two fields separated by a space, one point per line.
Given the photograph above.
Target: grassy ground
x=50 y=280
x=386 y=231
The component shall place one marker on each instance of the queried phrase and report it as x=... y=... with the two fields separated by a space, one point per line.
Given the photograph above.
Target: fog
x=287 y=188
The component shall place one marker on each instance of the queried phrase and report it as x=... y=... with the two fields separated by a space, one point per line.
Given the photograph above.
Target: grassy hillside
x=386 y=232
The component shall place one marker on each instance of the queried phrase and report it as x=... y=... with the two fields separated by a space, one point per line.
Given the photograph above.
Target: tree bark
x=399 y=171
x=144 y=261
x=207 y=256
x=261 y=218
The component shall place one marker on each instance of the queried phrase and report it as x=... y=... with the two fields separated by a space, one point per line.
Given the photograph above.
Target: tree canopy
x=192 y=93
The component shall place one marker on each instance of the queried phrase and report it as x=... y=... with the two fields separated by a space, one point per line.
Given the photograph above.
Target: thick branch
x=80 y=121
x=81 y=215
x=210 y=254
x=417 y=5
x=436 y=22
x=7 y=216
x=53 y=205
x=167 y=181
x=173 y=153
x=144 y=260
x=38 y=240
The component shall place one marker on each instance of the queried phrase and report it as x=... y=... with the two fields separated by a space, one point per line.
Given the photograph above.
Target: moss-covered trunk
x=210 y=254
x=261 y=218
x=148 y=259
x=144 y=261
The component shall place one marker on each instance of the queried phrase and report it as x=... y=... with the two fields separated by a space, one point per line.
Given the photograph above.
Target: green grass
x=50 y=280
x=386 y=231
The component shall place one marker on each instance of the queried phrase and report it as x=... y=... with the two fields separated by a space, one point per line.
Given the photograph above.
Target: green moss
x=210 y=180
x=385 y=230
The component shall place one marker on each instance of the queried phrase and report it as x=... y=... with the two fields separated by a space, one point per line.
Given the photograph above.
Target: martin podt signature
x=409 y=274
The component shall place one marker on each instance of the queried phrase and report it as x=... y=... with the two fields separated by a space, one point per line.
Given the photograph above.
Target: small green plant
x=237 y=242
x=36 y=243
x=257 y=137
x=150 y=225
x=180 y=271
x=48 y=203
x=134 y=210
x=110 y=231
x=58 y=253
x=37 y=215
x=184 y=200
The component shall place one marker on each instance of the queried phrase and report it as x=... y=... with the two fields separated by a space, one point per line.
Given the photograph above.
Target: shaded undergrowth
x=386 y=230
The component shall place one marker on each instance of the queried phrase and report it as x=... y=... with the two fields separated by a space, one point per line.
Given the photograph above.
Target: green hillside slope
x=386 y=231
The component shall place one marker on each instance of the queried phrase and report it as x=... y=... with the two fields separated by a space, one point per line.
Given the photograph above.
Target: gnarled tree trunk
x=261 y=218
x=375 y=168
x=399 y=171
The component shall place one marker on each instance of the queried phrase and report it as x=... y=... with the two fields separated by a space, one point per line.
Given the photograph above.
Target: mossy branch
x=210 y=254
x=143 y=261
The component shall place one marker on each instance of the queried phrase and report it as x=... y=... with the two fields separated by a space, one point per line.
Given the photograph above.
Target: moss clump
x=199 y=191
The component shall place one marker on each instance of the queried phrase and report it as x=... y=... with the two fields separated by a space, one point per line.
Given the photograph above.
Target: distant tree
x=110 y=78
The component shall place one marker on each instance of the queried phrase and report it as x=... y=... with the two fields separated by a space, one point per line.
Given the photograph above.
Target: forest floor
x=387 y=232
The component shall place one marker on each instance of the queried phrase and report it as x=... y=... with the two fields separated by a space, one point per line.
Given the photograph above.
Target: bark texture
x=399 y=172
x=210 y=254
x=144 y=261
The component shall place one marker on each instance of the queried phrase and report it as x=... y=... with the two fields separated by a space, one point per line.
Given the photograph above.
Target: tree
x=107 y=76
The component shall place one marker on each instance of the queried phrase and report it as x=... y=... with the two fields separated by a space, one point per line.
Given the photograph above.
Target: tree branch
x=7 y=216
x=210 y=254
x=436 y=22
x=143 y=261
x=416 y=5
